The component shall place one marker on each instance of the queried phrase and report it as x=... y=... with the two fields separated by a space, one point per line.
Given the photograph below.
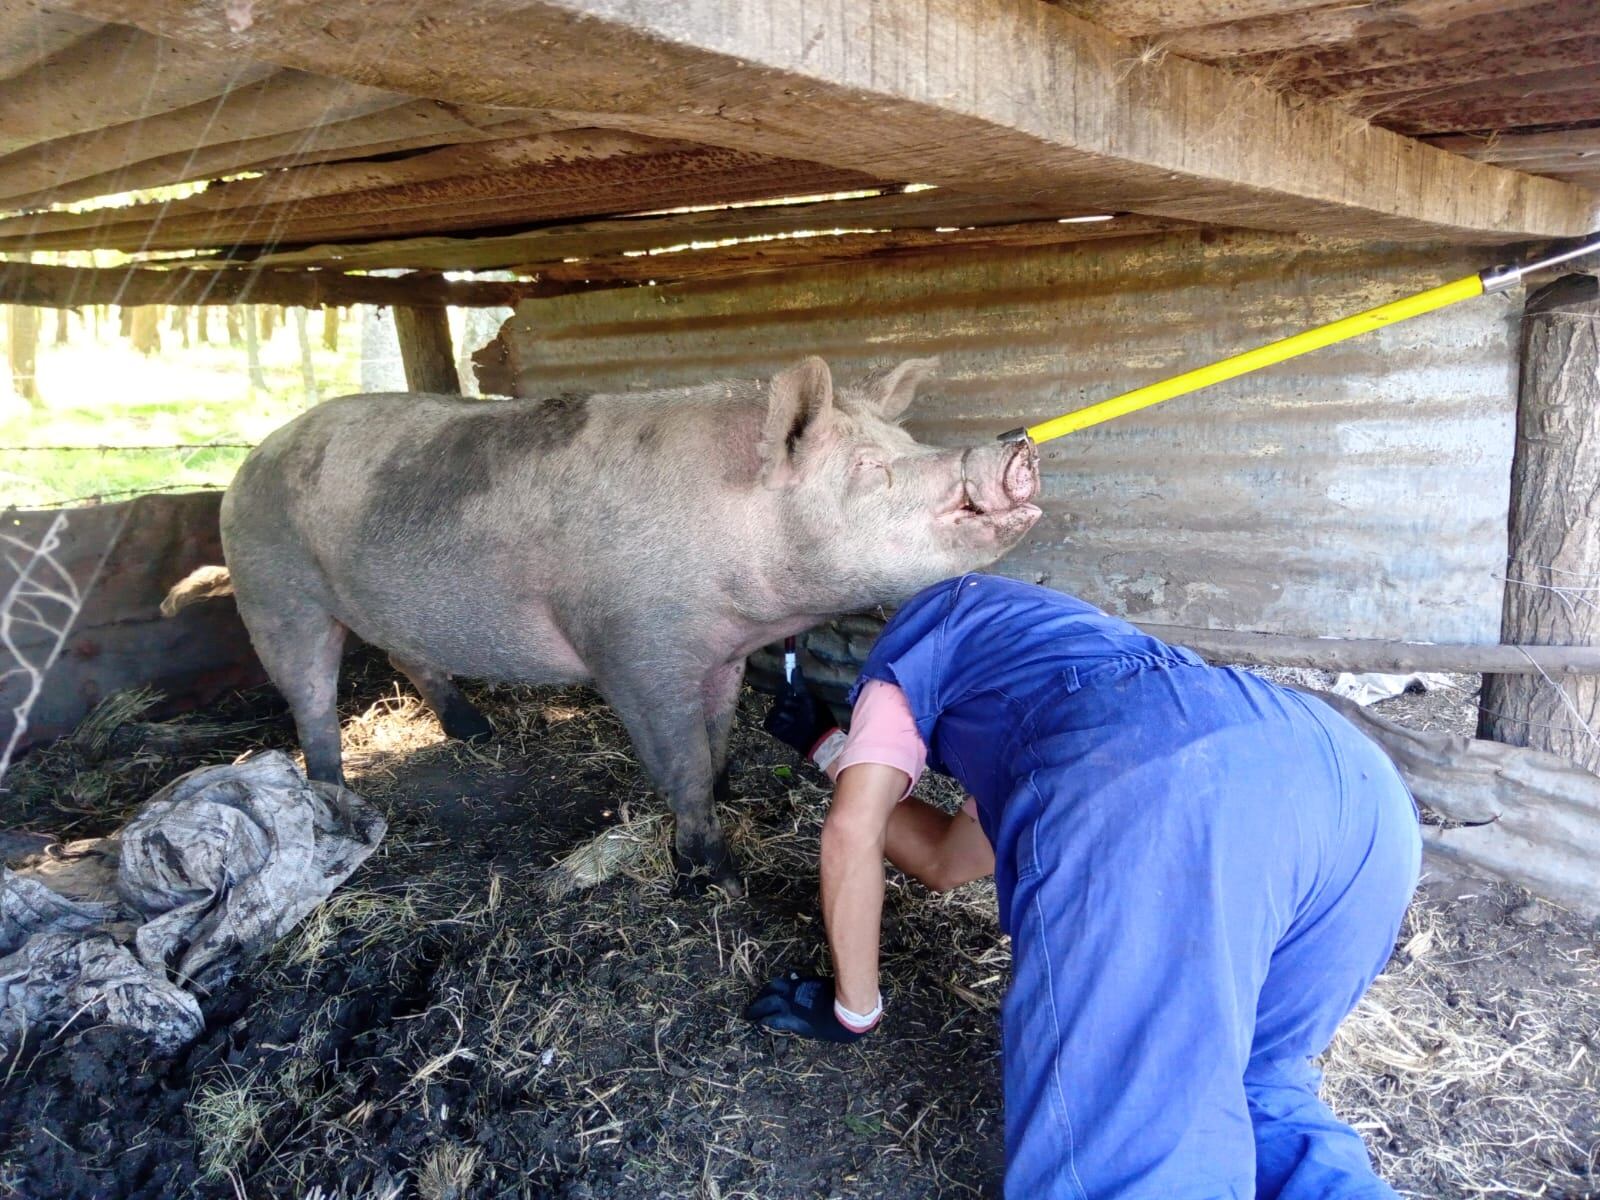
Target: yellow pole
x=1263 y=356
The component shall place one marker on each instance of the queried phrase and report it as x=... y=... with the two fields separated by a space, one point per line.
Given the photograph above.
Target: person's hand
x=797 y=717
x=803 y=1004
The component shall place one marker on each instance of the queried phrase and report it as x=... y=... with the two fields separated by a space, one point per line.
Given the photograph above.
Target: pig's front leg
x=665 y=716
x=720 y=694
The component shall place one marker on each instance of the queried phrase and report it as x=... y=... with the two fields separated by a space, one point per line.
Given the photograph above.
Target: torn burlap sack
x=128 y=930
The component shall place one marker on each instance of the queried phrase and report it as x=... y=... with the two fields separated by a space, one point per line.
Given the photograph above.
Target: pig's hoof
x=696 y=879
x=466 y=724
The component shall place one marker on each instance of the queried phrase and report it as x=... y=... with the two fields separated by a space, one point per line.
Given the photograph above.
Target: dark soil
x=440 y=1028
x=441 y=1011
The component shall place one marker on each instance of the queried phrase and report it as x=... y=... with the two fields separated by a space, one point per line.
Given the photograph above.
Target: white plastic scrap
x=211 y=870
x=1373 y=686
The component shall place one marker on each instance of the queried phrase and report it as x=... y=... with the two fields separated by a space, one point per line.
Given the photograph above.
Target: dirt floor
x=443 y=1028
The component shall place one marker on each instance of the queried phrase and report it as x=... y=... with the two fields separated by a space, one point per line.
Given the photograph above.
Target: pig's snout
x=998 y=478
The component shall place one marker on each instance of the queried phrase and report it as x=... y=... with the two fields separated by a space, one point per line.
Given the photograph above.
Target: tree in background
x=24 y=352
x=308 y=371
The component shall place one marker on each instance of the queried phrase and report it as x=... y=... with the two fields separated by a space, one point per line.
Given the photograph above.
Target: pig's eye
x=866 y=463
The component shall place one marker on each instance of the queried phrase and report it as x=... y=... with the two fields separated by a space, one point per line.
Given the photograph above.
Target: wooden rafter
x=909 y=90
x=895 y=210
x=483 y=186
x=42 y=286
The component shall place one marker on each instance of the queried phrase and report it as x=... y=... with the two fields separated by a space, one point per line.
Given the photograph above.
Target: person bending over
x=1200 y=871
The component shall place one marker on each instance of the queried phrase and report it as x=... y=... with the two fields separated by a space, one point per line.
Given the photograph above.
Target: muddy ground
x=442 y=1028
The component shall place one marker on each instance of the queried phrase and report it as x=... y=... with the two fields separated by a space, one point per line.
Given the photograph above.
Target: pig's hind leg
x=457 y=716
x=300 y=644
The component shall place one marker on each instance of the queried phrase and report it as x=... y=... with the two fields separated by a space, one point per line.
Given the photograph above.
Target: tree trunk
x=202 y=324
x=308 y=371
x=425 y=350
x=179 y=323
x=1553 y=566
x=145 y=329
x=267 y=316
x=24 y=352
x=125 y=320
x=330 y=328
x=252 y=353
x=63 y=333
x=235 y=331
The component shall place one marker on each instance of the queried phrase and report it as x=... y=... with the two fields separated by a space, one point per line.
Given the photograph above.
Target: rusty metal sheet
x=1358 y=492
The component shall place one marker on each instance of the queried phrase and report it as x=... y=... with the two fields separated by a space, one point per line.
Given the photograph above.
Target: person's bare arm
x=853 y=841
x=941 y=850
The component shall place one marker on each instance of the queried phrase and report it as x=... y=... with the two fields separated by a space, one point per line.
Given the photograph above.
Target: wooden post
x=330 y=327
x=1553 y=564
x=425 y=350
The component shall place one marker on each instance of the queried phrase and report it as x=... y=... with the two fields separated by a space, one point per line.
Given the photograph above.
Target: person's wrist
x=827 y=748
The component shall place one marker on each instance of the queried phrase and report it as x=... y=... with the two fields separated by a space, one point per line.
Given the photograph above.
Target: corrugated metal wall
x=1360 y=492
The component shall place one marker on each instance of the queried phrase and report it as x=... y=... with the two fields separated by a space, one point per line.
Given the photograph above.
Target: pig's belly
x=520 y=646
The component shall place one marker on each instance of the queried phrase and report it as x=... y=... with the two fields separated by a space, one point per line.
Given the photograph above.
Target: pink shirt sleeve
x=882 y=730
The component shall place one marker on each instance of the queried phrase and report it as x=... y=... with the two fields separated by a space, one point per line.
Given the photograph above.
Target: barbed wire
x=122 y=449
x=125 y=493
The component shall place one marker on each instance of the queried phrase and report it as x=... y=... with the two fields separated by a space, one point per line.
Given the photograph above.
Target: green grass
x=101 y=392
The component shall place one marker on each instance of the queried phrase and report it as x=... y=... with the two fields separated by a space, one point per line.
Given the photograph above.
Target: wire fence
x=126 y=449
x=120 y=494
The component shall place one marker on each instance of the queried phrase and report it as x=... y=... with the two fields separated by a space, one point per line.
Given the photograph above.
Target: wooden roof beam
x=285 y=102
x=410 y=126
x=72 y=287
x=1009 y=97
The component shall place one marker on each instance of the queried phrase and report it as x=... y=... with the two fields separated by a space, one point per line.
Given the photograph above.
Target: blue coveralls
x=1200 y=871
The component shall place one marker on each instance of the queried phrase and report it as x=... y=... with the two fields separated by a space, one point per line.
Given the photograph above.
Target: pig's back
x=414 y=510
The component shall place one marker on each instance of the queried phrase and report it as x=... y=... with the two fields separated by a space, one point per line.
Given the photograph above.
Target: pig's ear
x=891 y=392
x=801 y=400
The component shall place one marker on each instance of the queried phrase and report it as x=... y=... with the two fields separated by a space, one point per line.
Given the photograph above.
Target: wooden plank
x=1458 y=32
x=617 y=235
x=1380 y=89
x=1366 y=654
x=113 y=74
x=71 y=287
x=1575 y=103
x=782 y=253
x=426 y=351
x=288 y=102
x=905 y=89
x=1327 y=25
x=1570 y=154
x=324 y=190
x=409 y=126
x=1146 y=18
x=1566 y=148
x=29 y=34
x=667 y=174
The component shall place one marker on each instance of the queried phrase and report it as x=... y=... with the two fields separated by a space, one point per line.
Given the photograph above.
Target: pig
x=645 y=543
